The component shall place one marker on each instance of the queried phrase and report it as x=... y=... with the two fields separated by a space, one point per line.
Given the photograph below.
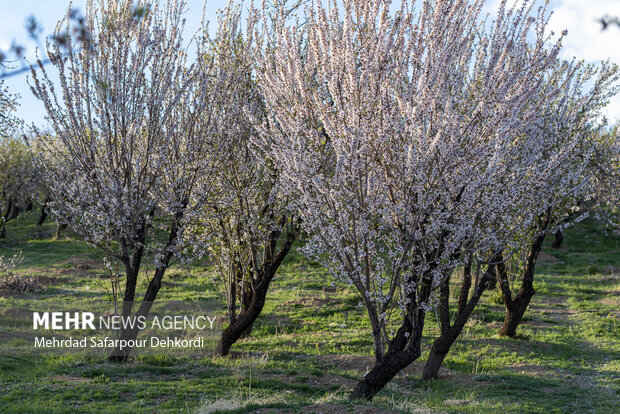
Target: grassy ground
x=312 y=344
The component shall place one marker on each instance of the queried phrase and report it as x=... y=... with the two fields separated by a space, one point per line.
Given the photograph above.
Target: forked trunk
x=121 y=353
x=403 y=349
x=514 y=315
x=517 y=305
x=251 y=307
x=383 y=372
x=242 y=326
x=449 y=333
x=254 y=296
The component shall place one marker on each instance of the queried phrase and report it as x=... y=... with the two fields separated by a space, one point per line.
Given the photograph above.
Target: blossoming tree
x=605 y=172
x=558 y=146
x=397 y=135
x=570 y=130
x=130 y=170
x=247 y=227
x=18 y=180
x=15 y=170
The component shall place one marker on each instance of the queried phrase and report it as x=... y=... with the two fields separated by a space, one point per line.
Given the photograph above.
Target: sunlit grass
x=312 y=343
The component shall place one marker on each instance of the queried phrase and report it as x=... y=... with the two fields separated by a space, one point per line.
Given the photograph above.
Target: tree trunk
x=383 y=372
x=449 y=333
x=5 y=218
x=132 y=268
x=254 y=299
x=559 y=238
x=247 y=332
x=403 y=349
x=514 y=315
x=401 y=353
x=43 y=215
x=517 y=305
x=15 y=211
x=492 y=284
x=244 y=322
x=59 y=228
x=121 y=354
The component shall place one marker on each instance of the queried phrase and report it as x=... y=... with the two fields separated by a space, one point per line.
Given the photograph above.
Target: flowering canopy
x=133 y=171
x=128 y=123
x=399 y=134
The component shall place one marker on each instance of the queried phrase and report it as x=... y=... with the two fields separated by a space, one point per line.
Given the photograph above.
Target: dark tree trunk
x=254 y=296
x=28 y=206
x=5 y=218
x=132 y=268
x=383 y=372
x=121 y=354
x=242 y=325
x=43 y=215
x=559 y=238
x=403 y=349
x=514 y=316
x=401 y=353
x=449 y=333
x=14 y=213
x=492 y=283
x=59 y=228
x=517 y=305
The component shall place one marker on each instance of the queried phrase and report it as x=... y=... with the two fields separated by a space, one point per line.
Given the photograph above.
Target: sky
x=585 y=38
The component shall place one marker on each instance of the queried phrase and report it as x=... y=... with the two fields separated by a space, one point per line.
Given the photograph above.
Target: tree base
x=382 y=373
x=431 y=368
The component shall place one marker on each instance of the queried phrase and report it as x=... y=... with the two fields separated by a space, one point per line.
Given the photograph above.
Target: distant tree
x=127 y=166
x=18 y=179
x=400 y=137
x=572 y=125
x=15 y=167
x=605 y=177
x=20 y=184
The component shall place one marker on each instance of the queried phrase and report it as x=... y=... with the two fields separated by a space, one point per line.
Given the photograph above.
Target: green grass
x=312 y=343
